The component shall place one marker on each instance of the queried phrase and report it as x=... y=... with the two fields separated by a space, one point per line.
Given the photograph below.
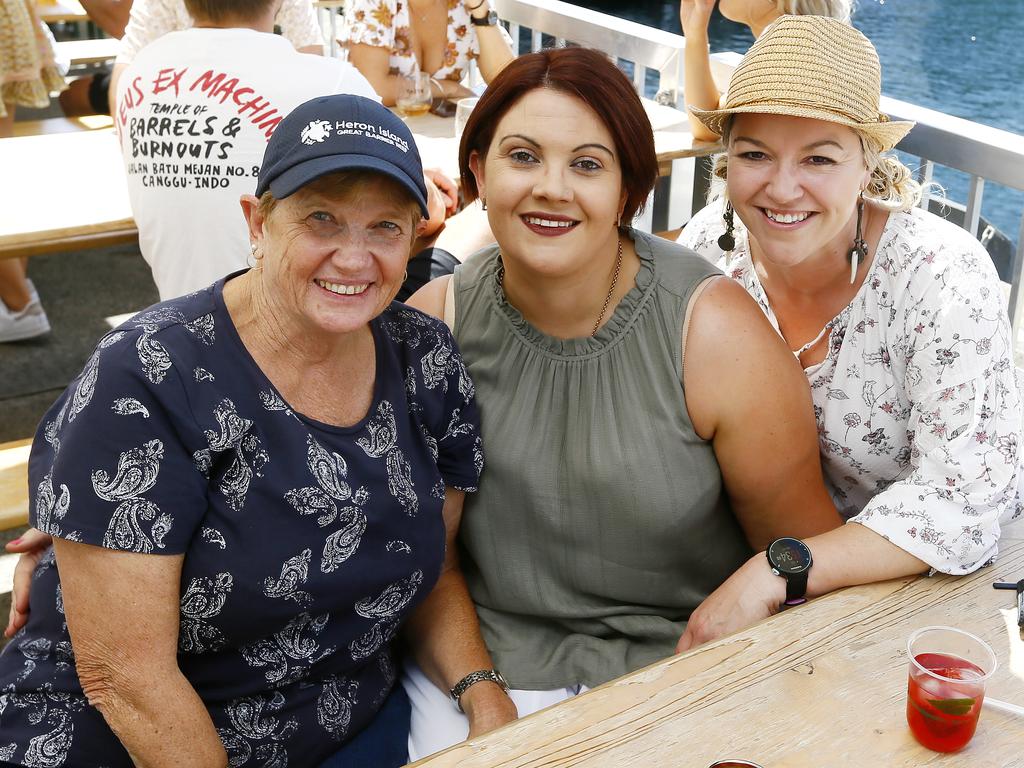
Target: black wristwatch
x=479 y=676
x=791 y=559
x=490 y=20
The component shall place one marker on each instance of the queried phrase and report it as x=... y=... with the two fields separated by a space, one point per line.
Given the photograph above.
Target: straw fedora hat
x=810 y=66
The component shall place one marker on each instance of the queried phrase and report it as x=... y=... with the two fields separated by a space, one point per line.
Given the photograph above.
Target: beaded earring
x=727 y=242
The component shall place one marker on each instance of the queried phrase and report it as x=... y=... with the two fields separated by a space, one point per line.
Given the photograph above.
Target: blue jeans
x=384 y=743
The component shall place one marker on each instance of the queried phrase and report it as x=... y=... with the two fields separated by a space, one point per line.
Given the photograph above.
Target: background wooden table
x=823 y=685
x=52 y=11
x=71 y=193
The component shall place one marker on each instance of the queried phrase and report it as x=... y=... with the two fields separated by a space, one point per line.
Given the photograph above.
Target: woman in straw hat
x=695 y=15
x=896 y=316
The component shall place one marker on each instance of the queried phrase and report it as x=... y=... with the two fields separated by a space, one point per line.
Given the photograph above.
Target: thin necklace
x=611 y=290
x=607 y=299
x=423 y=16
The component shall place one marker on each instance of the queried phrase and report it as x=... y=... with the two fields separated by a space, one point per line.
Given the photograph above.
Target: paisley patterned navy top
x=305 y=544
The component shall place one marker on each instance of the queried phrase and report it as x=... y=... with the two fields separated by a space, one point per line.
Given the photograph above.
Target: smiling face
x=552 y=182
x=335 y=252
x=794 y=182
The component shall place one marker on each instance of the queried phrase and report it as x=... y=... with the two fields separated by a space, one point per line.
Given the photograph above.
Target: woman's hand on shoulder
x=751 y=594
x=30 y=545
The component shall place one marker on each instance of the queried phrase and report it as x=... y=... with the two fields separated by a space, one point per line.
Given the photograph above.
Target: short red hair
x=591 y=77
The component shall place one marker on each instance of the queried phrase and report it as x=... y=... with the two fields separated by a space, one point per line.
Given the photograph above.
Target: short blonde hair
x=834 y=9
x=891 y=185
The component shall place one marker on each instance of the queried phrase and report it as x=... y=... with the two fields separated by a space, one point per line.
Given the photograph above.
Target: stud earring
x=860 y=248
x=727 y=242
x=253 y=247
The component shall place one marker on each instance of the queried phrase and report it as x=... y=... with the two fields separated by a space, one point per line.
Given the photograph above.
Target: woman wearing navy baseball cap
x=251 y=487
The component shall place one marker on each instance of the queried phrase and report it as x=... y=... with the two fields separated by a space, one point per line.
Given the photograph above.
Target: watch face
x=789 y=556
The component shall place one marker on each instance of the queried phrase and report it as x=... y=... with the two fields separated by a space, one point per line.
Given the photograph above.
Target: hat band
x=841 y=117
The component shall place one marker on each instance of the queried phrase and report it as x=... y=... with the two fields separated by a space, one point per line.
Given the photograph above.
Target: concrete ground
x=79 y=290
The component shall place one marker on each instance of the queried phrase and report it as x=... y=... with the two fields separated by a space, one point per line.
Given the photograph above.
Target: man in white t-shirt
x=194 y=111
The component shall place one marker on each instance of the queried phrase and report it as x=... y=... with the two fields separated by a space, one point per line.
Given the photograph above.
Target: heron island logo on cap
x=316 y=132
x=371 y=131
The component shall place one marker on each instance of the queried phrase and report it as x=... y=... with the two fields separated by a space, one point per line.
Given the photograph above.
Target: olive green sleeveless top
x=601 y=522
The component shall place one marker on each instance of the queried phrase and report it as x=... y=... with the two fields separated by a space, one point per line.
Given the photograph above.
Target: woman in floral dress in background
x=389 y=39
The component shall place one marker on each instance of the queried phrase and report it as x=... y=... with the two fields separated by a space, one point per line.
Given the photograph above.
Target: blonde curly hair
x=891 y=185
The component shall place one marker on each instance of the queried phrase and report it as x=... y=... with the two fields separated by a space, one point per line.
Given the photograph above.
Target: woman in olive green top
x=622 y=485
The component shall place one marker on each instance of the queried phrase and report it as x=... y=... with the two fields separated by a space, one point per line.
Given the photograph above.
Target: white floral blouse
x=151 y=19
x=917 y=403
x=385 y=24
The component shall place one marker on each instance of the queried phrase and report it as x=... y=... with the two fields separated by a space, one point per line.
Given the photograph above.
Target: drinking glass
x=948 y=670
x=414 y=96
x=463 y=109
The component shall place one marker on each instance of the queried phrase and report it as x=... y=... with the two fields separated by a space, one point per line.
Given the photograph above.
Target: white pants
x=437 y=723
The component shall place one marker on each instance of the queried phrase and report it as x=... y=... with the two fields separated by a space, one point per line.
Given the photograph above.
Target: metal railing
x=984 y=153
x=650 y=50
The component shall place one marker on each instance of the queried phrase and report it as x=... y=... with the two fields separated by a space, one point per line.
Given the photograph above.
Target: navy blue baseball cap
x=337 y=133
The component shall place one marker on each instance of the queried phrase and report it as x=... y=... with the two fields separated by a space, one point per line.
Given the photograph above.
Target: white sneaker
x=27 y=323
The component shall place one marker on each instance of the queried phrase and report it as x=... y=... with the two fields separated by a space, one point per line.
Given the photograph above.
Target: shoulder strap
x=449 y=305
x=697 y=291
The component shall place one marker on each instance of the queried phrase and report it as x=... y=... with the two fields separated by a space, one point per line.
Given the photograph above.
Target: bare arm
x=746 y=393
x=495 y=51
x=110 y=15
x=699 y=89
x=444 y=633
x=127 y=657
x=852 y=554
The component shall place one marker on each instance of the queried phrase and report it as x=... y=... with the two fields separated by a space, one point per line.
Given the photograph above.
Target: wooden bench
x=14 y=484
x=88 y=52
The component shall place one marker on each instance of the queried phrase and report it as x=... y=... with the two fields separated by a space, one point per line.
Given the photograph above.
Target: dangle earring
x=860 y=248
x=727 y=242
x=483 y=203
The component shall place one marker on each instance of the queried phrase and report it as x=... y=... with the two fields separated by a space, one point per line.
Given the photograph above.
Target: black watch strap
x=796 y=588
x=490 y=20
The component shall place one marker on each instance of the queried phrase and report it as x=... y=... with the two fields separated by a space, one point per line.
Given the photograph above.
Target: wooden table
x=52 y=125
x=52 y=11
x=820 y=686
x=80 y=53
x=71 y=193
